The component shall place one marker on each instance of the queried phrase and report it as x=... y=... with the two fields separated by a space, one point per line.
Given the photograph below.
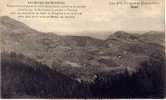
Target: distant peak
x=9 y=22
x=122 y=35
x=119 y=33
x=6 y=18
x=12 y=24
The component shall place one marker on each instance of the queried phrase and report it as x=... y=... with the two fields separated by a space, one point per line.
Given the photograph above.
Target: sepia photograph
x=82 y=50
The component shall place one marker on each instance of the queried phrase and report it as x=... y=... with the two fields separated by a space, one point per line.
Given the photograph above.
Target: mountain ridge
x=90 y=54
x=104 y=68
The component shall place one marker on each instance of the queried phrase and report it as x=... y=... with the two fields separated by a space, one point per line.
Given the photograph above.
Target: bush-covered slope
x=148 y=81
x=123 y=65
x=25 y=78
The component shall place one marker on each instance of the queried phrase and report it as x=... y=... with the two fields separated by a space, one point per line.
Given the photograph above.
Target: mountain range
x=82 y=58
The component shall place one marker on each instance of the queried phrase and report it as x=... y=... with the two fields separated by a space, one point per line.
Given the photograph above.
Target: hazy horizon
x=94 y=34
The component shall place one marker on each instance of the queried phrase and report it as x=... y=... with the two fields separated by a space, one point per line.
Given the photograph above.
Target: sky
x=98 y=16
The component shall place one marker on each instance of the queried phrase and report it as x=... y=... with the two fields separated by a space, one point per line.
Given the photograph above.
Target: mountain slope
x=79 y=57
x=25 y=78
x=93 y=66
x=154 y=37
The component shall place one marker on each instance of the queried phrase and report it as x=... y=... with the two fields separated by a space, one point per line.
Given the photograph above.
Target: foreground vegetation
x=23 y=77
